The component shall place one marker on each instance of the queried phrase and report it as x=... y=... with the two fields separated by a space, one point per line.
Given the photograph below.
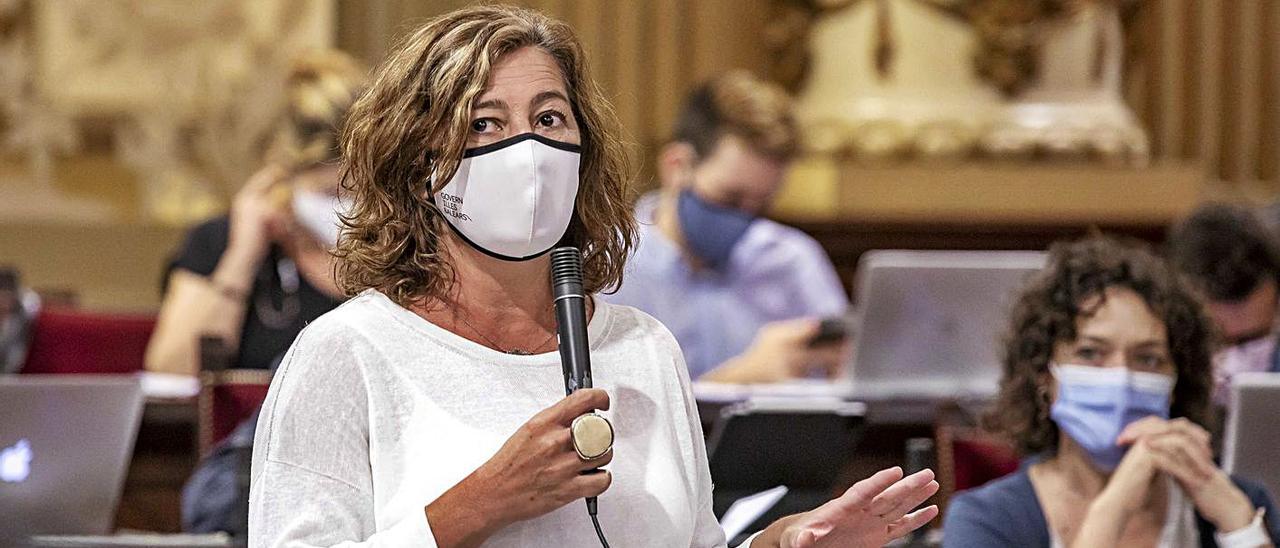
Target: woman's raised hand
x=873 y=512
x=255 y=216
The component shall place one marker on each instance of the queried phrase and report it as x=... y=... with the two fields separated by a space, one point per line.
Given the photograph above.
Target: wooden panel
x=1247 y=35
x=629 y=56
x=671 y=71
x=719 y=40
x=64 y=256
x=1169 y=95
x=1049 y=195
x=1210 y=67
x=1269 y=121
x=1144 y=84
x=1204 y=85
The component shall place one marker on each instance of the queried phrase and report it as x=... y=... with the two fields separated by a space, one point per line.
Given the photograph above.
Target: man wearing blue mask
x=742 y=294
x=1227 y=252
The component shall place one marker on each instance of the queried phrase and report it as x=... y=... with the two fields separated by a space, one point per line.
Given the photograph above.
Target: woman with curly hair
x=428 y=409
x=1107 y=380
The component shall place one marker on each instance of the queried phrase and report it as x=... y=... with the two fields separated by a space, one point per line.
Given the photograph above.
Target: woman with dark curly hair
x=428 y=410
x=1107 y=379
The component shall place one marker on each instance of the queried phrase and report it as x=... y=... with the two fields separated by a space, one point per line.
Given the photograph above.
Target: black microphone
x=571 y=317
x=575 y=349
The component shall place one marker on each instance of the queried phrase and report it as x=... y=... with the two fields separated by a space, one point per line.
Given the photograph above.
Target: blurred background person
x=18 y=308
x=1107 y=388
x=256 y=276
x=1230 y=256
x=744 y=295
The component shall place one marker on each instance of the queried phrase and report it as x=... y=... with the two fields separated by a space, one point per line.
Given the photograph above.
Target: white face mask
x=513 y=199
x=318 y=212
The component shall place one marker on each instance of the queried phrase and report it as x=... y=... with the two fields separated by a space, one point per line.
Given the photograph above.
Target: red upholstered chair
x=969 y=457
x=226 y=399
x=65 y=340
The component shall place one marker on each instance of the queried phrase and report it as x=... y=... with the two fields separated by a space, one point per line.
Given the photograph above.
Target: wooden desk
x=163 y=458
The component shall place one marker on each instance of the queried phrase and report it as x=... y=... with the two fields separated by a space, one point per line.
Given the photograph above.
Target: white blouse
x=375 y=412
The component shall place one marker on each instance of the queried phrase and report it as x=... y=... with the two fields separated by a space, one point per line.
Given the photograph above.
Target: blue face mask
x=1095 y=404
x=711 y=231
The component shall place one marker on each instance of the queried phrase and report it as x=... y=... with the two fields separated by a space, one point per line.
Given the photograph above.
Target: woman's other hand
x=1181 y=449
x=536 y=471
x=871 y=513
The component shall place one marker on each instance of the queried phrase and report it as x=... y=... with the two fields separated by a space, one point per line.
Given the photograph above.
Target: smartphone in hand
x=830 y=331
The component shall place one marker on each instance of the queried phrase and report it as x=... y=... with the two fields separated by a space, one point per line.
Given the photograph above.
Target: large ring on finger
x=592 y=436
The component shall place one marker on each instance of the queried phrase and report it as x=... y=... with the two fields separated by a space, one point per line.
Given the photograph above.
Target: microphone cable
x=591 y=509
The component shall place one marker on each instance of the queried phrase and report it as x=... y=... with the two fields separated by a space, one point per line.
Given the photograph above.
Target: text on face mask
x=450 y=204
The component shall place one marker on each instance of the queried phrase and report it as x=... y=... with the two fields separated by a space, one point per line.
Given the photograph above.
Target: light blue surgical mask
x=1095 y=404
x=711 y=231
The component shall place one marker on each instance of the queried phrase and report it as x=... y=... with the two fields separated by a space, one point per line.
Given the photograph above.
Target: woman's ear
x=1045 y=389
x=675 y=164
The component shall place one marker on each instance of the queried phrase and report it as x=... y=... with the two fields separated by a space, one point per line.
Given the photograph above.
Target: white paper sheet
x=169 y=385
x=746 y=510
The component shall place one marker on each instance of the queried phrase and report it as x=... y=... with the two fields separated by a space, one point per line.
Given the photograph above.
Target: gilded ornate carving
x=189 y=89
x=957 y=78
x=28 y=126
x=1008 y=30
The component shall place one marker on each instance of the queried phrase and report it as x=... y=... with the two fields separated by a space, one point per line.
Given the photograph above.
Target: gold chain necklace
x=515 y=351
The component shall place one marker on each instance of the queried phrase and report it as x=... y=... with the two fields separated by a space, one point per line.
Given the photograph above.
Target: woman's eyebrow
x=1094 y=339
x=547 y=96
x=491 y=103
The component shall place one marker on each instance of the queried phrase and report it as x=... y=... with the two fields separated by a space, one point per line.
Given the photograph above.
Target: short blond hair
x=320 y=88
x=740 y=104
x=411 y=128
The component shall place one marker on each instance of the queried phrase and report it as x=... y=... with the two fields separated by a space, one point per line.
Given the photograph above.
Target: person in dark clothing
x=1107 y=385
x=255 y=277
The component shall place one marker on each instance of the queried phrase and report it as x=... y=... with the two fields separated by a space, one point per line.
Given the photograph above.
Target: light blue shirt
x=775 y=273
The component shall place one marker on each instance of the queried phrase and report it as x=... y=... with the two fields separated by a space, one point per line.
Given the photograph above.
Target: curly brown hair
x=411 y=127
x=1072 y=287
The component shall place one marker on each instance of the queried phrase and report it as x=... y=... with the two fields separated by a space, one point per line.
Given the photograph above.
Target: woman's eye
x=1088 y=354
x=550 y=119
x=1150 y=362
x=482 y=125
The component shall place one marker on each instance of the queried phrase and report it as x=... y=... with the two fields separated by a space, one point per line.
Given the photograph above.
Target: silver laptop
x=65 y=444
x=1251 y=445
x=930 y=323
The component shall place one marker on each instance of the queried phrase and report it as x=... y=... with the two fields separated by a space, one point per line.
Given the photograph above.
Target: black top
x=1006 y=512
x=281 y=301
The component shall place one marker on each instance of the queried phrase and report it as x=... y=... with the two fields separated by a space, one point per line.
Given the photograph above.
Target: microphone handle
x=575 y=356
